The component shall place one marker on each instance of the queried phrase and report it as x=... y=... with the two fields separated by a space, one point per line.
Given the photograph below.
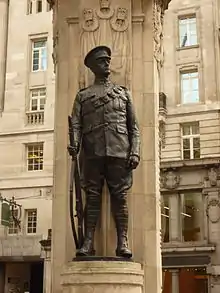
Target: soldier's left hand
x=133 y=161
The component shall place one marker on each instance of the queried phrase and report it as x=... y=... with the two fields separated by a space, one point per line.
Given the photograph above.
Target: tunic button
x=106 y=124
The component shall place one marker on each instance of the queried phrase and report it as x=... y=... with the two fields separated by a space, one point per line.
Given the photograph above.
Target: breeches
x=118 y=178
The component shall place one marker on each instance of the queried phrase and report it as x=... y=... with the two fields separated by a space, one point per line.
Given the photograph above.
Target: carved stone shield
x=213 y=210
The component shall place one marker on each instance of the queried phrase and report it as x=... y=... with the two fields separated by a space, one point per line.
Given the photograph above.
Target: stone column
x=175 y=281
x=46 y=249
x=174 y=213
x=144 y=200
x=4 y=14
x=212 y=193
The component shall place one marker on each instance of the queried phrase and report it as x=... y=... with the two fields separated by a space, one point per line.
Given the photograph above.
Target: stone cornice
x=205 y=162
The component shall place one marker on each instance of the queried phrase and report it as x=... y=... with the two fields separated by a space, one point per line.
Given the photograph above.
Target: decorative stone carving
x=119 y=23
x=158 y=17
x=158 y=14
x=90 y=22
x=105 y=12
x=49 y=192
x=162 y=133
x=216 y=279
x=54 y=54
x=170 y=180
x=106 y=26
x=213 y=177
x=213 y=210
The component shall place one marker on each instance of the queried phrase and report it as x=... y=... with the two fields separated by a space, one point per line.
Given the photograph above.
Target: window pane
x=192 y=216
x=165 y=218
x=196 y=143
x=195 y=128
x=194 y=97
x=193 y=40
x=187 y=32
x=35 y=67
x=186 y=144
x=39 y=6
x=186 y=129
x=42 y=92
x=42 y=103
x=39 y=44
x=196 y=153
x=195 y=81
x=185 y=85
x=186 y=154
x=30 y=7
x=190 y=87
x=35 y=157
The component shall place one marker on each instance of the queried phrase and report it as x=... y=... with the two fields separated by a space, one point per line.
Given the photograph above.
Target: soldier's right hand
x=73 y=150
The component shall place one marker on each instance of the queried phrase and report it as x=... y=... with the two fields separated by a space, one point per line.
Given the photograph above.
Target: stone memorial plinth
x=133 y=30
x=107 y=275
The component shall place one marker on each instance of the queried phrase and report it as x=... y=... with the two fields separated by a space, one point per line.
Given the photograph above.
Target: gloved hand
x=133 y=161
x=73 y=150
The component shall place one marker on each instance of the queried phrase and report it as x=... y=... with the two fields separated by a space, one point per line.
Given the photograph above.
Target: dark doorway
x=36 y=281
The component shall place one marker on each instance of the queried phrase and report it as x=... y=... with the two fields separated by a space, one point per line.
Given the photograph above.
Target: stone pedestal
x=102 y=276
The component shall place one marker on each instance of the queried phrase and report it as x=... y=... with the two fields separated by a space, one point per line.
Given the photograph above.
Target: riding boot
x=92 y=211
x=88 y=245
x=120 y=214
x=122 y=249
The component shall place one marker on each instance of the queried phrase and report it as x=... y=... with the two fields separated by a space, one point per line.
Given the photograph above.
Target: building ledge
x=188 y=248
x=204 y=162
x=20 y=246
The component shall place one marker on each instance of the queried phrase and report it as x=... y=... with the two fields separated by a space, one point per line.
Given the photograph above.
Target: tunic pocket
x=122 y=129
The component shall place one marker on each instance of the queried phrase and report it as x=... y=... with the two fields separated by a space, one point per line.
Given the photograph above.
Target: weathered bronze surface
x=105 y=131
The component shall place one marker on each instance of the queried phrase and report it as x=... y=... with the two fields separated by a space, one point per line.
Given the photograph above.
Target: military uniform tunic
x=104 y=122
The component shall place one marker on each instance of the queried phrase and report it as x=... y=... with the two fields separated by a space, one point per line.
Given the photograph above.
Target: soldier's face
x=101 y=66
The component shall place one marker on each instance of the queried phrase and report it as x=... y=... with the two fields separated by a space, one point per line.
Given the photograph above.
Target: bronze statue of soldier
x=105 y=129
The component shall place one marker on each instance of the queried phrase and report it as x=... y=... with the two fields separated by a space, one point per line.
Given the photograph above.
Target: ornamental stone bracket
x=170 y=180
x=212 y=178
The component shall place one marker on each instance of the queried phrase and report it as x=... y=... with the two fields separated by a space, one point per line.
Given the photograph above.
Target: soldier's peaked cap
x=96 y=53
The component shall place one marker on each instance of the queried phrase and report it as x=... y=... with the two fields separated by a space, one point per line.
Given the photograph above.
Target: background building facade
x=26 y=139
x=190 y=148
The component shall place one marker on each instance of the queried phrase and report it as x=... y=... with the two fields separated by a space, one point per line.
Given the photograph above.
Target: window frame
x=38 y=157
x=180 y=17
x=41 y=56
x=190 y=81
x=38 y=97
x=203 y=239
x=27 y=222
x=190 y=136
x=203 y=216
